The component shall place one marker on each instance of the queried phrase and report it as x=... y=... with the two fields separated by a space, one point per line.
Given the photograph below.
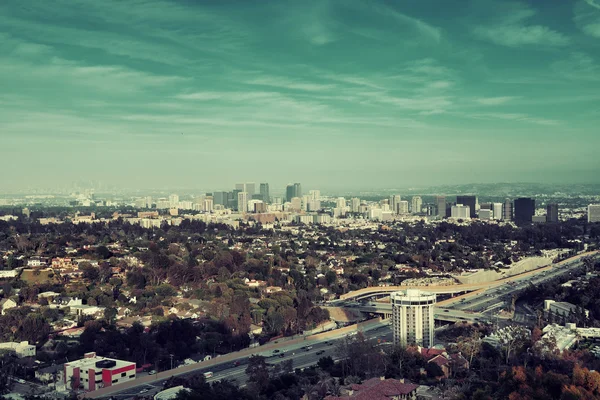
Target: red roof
x=430 y=353
x=440 y=360
x=377 y=389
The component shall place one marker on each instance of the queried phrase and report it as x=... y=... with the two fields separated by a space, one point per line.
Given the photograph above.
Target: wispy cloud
x=587 y=17
x=290 y=84
x=516 y=117
x=513 y=29
x=578 y=66
x=495 y=101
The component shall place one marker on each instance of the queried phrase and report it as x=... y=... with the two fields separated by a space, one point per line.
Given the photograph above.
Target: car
x=21 y=381
x=282 y=355
x=329 y=344
x=144 y=390
x=320 y=352
x=308 y=348
x=153 y=372
x=275 y=351
x=446 y=310
x=236 y=364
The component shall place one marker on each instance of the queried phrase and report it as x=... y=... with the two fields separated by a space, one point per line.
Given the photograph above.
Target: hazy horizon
x=338 y=95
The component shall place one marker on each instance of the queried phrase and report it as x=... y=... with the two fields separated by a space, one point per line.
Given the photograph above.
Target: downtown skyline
x=355 y=94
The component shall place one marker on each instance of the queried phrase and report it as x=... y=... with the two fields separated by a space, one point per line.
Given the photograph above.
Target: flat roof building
x=93 y=372
x=412 y=317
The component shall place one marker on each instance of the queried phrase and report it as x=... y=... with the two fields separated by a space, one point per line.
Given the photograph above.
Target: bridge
x=440 y=314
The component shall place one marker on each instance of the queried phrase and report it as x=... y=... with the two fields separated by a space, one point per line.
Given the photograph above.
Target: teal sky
x=335 y=94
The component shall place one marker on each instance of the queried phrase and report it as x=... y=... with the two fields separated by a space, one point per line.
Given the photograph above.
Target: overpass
x=379 y=291
x=440 y=314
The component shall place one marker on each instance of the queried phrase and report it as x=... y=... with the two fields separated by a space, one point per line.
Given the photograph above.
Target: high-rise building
x=355 y=204
x=412 y=317
x=497 y=208
x=315 y=194
x=485 y=214
x=524 y=209
x=552 y=213
x=293 y=190
x=416 y=204
x=173 y=201
x=460 y=211
x=264 y=192
x=440 y=201
x=507 y=210
x=296 y=203
x=246 y=187
x=402 y=207
x=593 y=213
x=393 y=202
x=242 y=201
x=470 y=201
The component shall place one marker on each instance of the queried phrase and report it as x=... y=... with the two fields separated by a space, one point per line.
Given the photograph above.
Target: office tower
x=293 y=190
x=412 y=318
x=507 y=210
x=208 y=204
x=250 y=189
x=460 y=211
x=220 y=198
x=416 y=204
x=524 y=209
x=315 y=194
x=393 y=202
x=296 y=203
x=440 y=201
x=240 y=187
x=149 y=202
x=552 y=212
x=470 y=201
x=355 y=205
x=340 y=202
x=277 y=200
x=485 y=206
x=485 y=214
x=264 y=192
x=497 y=208
x=402 y=207
x=593 y=213
x=173 y=201
x=242 y=202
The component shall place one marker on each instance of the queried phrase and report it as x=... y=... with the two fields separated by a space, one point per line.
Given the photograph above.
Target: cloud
x=290 y=84
x=579 y=67
x=512 y=29
x=516 y=117
x=587 y=17
x=495 y=101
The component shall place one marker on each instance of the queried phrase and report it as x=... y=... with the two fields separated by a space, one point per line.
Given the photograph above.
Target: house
x=448 y=363
x=21 y=349
x=6 y=304
x=380 y=389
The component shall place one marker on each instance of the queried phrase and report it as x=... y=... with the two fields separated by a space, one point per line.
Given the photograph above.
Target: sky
x=332 y=93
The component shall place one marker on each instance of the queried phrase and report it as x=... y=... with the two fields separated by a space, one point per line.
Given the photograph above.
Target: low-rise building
x=6 y=304
x=379 y=389
x=21 y=349
x=562 y=308
x=93 y=372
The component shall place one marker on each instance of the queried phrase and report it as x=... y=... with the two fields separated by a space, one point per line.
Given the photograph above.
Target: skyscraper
x=355 y=204
x=593 y=213
x=524 y=209
x=402 y=207
x=242 y=201
x=293 y=190
x=552 y=212
x=264 y=192
x=507 y=210
x=470 y=201
x=497 y=208
x=412 y=317
x=417 y=204
x=394 y=200
x=174 y=201
x=440 y=201
x=460 y=211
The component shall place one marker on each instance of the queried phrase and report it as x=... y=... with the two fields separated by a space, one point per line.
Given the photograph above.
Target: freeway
x=451 y=289
x=220 y=366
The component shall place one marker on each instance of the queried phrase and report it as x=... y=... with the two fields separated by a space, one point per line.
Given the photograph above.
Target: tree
x=258 y=372
x=433 y=370
x=470 y=346
x=512 y=340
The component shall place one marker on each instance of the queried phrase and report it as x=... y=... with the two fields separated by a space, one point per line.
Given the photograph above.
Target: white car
x=144 y=390
x=152 y=372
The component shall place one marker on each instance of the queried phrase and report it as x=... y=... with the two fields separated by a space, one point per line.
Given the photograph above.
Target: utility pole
x=171 y=355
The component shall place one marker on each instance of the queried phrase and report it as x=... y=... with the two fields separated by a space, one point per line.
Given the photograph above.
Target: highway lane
x=222 y=366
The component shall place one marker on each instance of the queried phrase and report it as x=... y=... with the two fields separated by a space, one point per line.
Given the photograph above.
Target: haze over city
x=337 y=94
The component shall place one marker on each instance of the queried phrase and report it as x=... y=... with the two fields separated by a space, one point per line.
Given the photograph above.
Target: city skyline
x=336 y=95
